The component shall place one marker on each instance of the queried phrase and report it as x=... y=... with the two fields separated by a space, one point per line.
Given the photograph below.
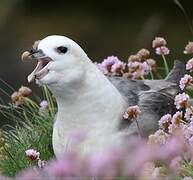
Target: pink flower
x=41 y=164
x=159 y=137
x=68 y=166
x=138 y=69
x=188 y=114
x=188 y=131
x=165 y=121
x=44 y=105
x=181 y=100
x=176 y=122
x=185 y=81
x=189 y=65
x=136 y=159
x=132 y=112
x=103 y=163
x=177 y=117
x=118 y=68
x=163 y=50
x=145 y=68
x=30 y=174
x=112 y=65
x=32 y=154
x=171 y=149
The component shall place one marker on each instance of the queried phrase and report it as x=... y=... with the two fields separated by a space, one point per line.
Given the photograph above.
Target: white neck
x=95 y=106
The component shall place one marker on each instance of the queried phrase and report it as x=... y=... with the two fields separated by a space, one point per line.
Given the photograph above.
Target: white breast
x=97 y=111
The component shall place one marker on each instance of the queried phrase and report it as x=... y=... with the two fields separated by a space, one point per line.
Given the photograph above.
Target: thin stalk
x=140 y=133
x=49 y=99
x=151 y=74
x=142 y=77
x=32 y=103
x=165 y=65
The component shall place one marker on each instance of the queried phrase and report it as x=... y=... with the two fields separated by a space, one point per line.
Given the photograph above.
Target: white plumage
x=88 y=102
x=86 y=99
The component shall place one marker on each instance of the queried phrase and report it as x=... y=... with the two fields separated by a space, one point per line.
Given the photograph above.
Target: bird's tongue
x=31 y=77
x=41 y=69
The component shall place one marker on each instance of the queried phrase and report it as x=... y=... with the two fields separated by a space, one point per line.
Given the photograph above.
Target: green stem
x=32 y=103
x=142 y=77
x=166 y=65
x=151 y=74
x=49 y=99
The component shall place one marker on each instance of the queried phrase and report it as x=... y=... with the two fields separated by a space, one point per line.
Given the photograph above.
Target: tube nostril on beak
x=32 y=51
x=37 y=54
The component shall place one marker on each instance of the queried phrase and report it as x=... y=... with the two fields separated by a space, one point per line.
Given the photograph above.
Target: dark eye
x=62 y=49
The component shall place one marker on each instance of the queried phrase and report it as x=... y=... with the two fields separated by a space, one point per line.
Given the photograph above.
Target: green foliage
x=33 y=129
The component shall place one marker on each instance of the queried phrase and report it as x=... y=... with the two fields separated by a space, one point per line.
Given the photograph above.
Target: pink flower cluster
x=163 y=50
x=135 y=159
x=138 y=69
x=132 y=112
x=112 y=66
x=34 y=156
x=165 y=121
x=140 y=64
x=189 y=48
x=171 y=123
x=166 y=146
x=18 y=97
x=189 y=114
x=189 y=65
x=159 y=43
x=180 y=123
x=181 y=100
x=44 y=105
x=185 y=81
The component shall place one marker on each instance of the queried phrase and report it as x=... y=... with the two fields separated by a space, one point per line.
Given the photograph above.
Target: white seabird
x=89 y=101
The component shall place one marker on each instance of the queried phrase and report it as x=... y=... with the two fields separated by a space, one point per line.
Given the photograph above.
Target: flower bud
x=25 y=91
x=132 y=112
x=158 y=42
x=143 y=54
x=189 y=48
x=32 y=154
x=133 y=58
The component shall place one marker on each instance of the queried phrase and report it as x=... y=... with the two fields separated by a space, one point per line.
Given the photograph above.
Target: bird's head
x=60 y=60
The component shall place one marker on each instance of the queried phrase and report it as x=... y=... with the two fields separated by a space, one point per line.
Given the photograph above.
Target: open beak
x=42 y=66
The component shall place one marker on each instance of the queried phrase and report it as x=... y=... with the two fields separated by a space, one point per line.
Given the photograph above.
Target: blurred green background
x=102 y=28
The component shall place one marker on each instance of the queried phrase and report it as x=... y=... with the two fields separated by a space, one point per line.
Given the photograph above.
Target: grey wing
x=154 y=98
x=129 y=89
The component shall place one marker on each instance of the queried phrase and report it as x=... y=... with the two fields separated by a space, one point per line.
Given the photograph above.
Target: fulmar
x=93 y=103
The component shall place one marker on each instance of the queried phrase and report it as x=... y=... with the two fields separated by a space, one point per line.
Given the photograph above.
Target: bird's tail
x=178 y=71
